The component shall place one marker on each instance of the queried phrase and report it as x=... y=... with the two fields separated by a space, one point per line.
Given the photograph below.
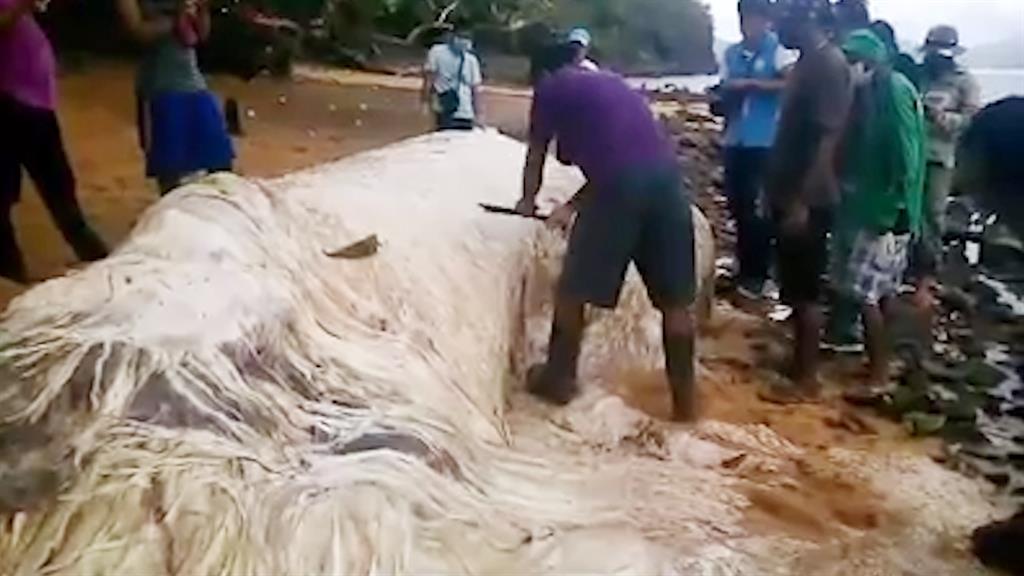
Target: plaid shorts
x=876 y=265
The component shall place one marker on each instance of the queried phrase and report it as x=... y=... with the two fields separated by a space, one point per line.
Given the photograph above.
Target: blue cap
x=579 y=36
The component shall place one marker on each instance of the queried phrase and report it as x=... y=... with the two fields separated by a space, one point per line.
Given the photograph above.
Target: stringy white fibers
x=202 y=391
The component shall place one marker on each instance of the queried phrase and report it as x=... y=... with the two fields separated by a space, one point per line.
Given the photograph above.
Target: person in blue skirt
x=181 y=127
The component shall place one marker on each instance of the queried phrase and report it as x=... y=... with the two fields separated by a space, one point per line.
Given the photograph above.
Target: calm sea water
x=995 y=84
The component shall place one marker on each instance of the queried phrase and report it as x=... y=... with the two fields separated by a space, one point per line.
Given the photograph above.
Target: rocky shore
x=959 y=379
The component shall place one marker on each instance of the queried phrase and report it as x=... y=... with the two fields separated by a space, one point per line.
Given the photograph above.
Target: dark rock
x=904 y=400
x=939 y=371
x=1002 y=253
x=964 y=408
x=973 y=348
x=985 y=451
x=983 y=375
x=999 y=546
x=921 y=424
x=998 y=479
x=962 y=431
x=958 y=299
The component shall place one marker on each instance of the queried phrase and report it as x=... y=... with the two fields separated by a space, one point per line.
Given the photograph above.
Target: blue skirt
x=183 y=133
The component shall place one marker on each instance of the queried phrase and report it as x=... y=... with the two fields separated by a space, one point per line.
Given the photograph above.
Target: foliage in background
x=637 y=36
x=632 y=35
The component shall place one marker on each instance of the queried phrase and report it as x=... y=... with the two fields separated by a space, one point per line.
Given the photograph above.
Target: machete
x=510 y=212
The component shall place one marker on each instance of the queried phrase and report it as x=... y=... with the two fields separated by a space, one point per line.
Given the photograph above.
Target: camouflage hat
x=943 y=40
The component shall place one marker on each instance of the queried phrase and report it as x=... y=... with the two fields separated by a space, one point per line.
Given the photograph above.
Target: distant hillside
x=1007 y=53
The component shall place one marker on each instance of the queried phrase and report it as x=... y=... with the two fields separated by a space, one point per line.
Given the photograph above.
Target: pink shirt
x=28 y=70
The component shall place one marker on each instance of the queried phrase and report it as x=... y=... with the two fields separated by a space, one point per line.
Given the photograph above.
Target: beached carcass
x=226 y=395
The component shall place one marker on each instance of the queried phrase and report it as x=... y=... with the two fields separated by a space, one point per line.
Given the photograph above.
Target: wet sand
x=294 y=124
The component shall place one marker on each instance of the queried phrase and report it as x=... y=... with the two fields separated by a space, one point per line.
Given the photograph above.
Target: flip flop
x=784 y=392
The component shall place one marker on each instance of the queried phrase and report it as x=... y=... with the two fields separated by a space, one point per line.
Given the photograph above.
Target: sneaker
x=770 y=291
x=750 y=290
x=847 y=345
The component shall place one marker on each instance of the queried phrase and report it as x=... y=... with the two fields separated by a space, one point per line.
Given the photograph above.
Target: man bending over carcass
x=632 y=209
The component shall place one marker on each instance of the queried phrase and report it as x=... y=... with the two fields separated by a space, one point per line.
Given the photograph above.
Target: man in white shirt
x=451 y=82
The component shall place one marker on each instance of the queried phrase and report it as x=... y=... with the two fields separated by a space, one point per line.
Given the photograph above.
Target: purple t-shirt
x=600 y=124
x=28 y=71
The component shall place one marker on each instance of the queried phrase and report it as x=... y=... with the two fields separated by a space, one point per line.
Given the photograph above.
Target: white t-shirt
x=444 y=64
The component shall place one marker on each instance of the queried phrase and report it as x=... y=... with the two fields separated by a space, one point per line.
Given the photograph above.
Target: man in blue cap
x=580 y=40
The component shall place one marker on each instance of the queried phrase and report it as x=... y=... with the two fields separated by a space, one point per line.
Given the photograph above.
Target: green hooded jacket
x=888 y=156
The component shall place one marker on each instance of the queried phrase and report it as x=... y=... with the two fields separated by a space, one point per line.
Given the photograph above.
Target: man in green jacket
x=886 y=159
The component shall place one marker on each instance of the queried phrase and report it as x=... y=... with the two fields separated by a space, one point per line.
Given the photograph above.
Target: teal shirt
x=168 y=65
x=889 y=157
x=755 y=123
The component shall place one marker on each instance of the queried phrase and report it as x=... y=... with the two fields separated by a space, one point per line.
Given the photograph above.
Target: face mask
x=462 y=44
x=937 y=64
x=861 y=74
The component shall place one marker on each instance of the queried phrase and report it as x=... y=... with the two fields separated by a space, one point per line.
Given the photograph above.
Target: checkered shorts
x=876 y=265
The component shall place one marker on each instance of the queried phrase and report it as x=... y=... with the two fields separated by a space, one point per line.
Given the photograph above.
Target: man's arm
x=203 y=18
x=429 y=77
x=476 y=80
x=428 y=85
x=478 y=106
x=821 y=178
x=954 y=122
x=773 y=85
x=533 y=175
x=784 y=63
x=832 y=101
x=143 y=30
x=10 y=15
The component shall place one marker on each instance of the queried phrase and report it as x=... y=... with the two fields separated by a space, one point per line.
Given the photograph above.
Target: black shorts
x=643 y=218
x=444 y=123
x=803 y=259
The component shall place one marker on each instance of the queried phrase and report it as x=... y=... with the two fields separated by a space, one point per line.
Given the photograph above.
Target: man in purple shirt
x=31 y=138
x=632 y=209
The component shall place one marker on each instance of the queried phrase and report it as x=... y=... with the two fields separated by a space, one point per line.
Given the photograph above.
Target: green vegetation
x=639 y=36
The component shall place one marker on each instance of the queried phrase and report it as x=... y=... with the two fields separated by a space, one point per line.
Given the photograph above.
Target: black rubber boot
x=555 y=381
x=679 y=366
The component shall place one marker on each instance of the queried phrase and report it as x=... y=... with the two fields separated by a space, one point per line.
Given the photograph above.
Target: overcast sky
x=979 y=21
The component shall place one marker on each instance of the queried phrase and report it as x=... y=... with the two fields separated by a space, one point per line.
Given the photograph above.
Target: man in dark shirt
x=632 y=209
x=804 y=186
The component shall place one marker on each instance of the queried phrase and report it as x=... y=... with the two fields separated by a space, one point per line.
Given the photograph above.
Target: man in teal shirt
x=885 y=161
x=755 y=71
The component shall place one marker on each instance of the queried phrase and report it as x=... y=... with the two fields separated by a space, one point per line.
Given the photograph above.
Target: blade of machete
x=510 y=212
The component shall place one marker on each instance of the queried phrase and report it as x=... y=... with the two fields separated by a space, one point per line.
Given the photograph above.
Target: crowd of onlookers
x=839 y=156
x=839 y=165
x=181 y=127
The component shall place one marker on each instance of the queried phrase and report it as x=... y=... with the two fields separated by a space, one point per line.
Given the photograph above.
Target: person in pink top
x=31 y=138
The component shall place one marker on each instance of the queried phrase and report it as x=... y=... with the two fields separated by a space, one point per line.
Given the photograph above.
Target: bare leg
x=877 y=343
x=555 y=381
x=168 y=182
x=678 y=338
x=807 y=321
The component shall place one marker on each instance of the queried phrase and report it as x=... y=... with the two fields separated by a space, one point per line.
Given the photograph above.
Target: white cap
x=579 y=36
